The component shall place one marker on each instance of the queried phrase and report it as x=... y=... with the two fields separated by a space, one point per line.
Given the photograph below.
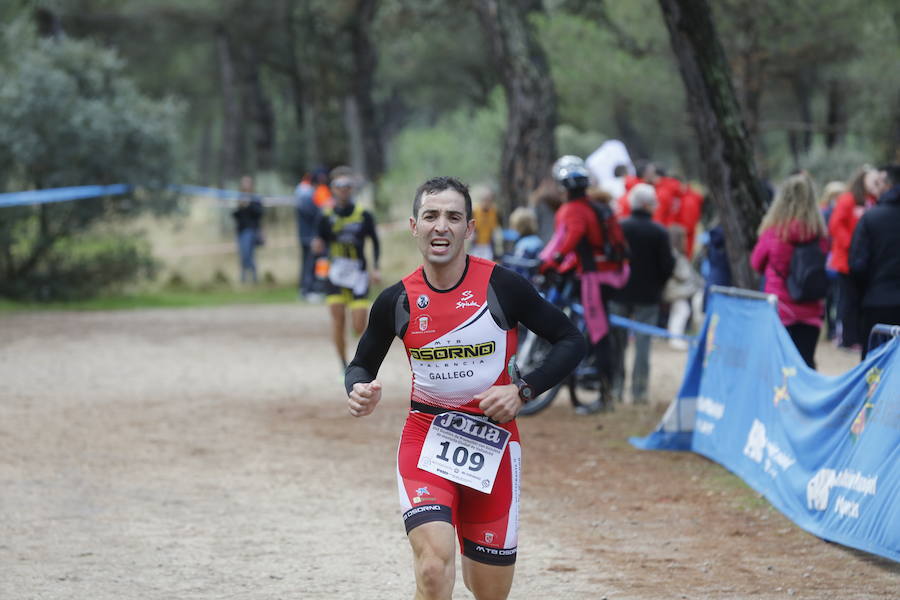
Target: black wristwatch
x=526 y=391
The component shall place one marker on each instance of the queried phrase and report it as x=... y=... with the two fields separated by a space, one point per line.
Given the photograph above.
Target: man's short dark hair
x=439 y=184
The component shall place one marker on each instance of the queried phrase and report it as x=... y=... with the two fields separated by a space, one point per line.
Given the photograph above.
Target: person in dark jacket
x=247 y=218
x=715 y=267
x=875 y=259
x=308 y=215
x=652 y=263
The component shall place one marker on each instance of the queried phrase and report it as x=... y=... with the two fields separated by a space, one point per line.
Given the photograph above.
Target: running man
x=459 y=461
x=342 y=232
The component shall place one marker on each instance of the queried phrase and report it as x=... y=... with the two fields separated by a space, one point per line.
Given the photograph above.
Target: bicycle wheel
x=541 y=402
x=587 y=388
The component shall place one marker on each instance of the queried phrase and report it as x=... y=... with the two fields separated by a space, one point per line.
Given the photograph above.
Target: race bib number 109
x=464 y=449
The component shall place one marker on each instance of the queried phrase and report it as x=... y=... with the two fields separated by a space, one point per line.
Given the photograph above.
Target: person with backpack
x=790 y=253
x=588 y=241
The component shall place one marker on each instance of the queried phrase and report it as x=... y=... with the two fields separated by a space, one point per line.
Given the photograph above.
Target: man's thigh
x=488 y=524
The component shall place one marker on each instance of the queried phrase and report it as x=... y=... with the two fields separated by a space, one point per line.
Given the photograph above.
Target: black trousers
x=871 y=316
x=805 y=339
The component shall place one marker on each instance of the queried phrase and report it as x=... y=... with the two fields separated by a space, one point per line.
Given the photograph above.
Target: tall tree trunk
x=835 y=115
x=795 y=145
x=204 y=151
x=628 y=133
x=48 y=23
x=355 y=134
x=299 y=77
x=728 y=156
x=802 y=87
x=232 y=155
x=751 y=68
x=529 y=148
x=260 y=111
x=365 y=60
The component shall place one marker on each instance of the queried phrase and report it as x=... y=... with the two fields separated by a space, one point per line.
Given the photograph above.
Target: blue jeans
x=247 y=249
x=640 y=374
x=307 y=268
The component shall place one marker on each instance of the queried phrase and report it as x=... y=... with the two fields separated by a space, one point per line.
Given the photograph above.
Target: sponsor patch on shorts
x=426 y=513
x=489 y=555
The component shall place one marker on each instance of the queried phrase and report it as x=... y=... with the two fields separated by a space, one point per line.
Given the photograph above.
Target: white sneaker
x=678 y=344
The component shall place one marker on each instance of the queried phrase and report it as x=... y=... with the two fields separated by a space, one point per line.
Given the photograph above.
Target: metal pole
x=742 y=293
x=882 y=330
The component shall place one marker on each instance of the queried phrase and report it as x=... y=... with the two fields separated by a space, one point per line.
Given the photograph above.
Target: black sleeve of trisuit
x=372 y=232
x=522 y=303
x=323 y=229
x=376 y=339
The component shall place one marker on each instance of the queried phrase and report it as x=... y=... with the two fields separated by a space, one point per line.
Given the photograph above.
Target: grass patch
x=186 y=298
x=719 y=479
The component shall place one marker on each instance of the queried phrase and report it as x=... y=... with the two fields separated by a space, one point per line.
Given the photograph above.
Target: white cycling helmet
x=571 y=172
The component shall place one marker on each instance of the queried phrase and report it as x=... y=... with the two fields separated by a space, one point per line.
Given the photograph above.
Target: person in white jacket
x=683 y=290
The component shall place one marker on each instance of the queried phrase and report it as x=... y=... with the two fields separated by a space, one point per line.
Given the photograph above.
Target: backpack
x=615 y=246
x=806 y=279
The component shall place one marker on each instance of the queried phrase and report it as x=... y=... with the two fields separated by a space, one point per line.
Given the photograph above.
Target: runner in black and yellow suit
x=343 y=230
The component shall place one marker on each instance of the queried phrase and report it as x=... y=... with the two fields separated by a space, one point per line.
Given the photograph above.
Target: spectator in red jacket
x=864 y=188
x=668 y=199
x=669 y=191
x=793 y=218
x=688 y=216
x=646 y=173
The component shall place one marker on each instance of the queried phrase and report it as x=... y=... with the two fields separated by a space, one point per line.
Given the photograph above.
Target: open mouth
x=440 y=245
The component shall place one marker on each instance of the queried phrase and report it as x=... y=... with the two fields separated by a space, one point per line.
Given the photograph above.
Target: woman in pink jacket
x=793 y=218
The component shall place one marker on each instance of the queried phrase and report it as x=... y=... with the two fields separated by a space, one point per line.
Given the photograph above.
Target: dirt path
x=207 y=454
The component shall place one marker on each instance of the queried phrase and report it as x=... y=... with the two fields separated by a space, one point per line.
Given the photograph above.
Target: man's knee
x=434 y=547
x=434 y=574
x=487 y=582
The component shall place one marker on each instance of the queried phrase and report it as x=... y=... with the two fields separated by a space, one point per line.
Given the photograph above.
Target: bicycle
x=533 y=349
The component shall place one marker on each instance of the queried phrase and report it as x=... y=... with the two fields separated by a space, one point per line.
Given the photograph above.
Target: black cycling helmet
x=571 y=172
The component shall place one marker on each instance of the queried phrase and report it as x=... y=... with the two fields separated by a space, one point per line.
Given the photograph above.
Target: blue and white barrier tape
x=197 y=190
x=639 y=327
x=65 y=194
x=62 y=194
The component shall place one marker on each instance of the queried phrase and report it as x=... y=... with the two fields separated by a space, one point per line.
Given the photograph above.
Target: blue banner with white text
x=824 y=450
